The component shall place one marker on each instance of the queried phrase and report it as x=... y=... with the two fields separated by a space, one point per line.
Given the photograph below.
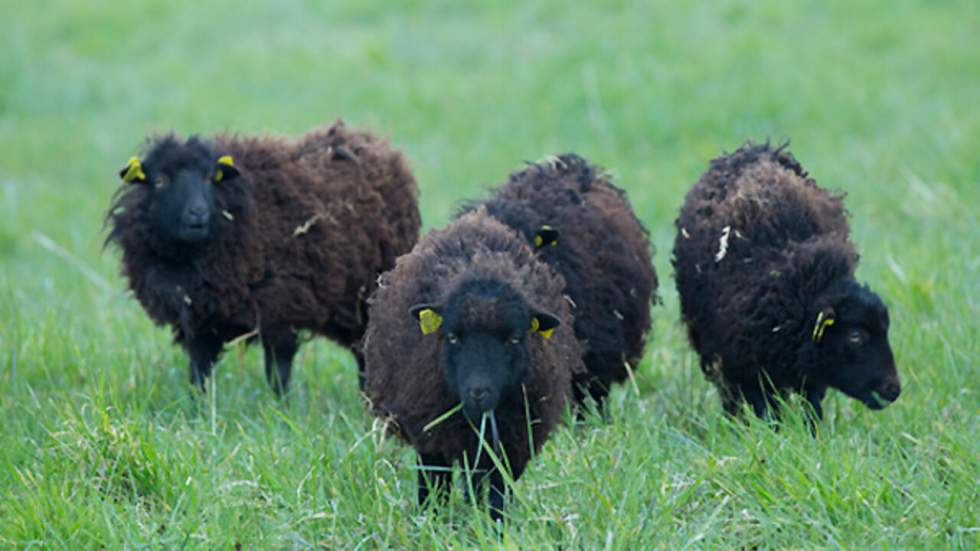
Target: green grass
x=103 y=446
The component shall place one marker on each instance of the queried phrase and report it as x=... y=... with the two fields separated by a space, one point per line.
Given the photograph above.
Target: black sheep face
x=848 y=347
x=180 y=199
x=484 y=327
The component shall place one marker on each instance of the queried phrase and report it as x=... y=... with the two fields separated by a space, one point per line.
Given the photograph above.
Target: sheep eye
x=515 y=340
x=451 y=338
x=856 y=337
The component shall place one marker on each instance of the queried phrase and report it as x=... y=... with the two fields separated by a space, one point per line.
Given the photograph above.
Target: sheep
x=470 y=317
x=257 y=238
x=765 y=274
x=582 y=225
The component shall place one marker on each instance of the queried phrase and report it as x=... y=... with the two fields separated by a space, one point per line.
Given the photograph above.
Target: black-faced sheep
x=470 y=317
x=584 y=228
x=262 y=237
x=765 y=273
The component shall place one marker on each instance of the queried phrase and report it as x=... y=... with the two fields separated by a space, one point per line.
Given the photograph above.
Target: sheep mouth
x=875 y=401
x=196 y=226
x=196 y=231
x=476 y=409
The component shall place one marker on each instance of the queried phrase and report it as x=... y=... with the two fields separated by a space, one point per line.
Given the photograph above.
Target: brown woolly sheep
x=471 y=317
x=583 y=226
x=241 y=237
x=765 y=273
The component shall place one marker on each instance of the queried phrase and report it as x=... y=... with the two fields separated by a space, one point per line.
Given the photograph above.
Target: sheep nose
x=196 y=214
x=479 y=393
x=890 y=390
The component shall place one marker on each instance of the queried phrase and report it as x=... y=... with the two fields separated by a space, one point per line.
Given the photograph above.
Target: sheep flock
x=478 y=340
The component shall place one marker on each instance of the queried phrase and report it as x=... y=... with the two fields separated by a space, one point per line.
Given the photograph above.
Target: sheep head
x=178 y=182
x=484 y=327
x=847 y=344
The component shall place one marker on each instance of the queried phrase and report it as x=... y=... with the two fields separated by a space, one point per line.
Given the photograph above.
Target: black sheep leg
x=279 y=351
x=434 y=478
x=499 y=490
x=731 y=397
x=586 y=387
x=359 y=356
x=595 y=390
x=498 y=494
x=204 y=352
x=814 y=396
x=762 y=401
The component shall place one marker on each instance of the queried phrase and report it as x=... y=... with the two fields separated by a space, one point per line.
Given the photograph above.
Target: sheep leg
x=815 y=396
x=279 y=352
x=761 y=400
x=587 y=385
x=359 y=356
x=204 y=352
x=434 y=478
x=587 y=388
x=498 y=493
x=499 y=490
x=731 y=398
x=599 y=391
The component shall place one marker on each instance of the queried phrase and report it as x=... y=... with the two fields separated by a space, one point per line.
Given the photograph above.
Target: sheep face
x=848 y=347
x=484 y=327
x=180 y=199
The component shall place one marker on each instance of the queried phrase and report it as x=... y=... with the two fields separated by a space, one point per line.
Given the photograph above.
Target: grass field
x=102 y=444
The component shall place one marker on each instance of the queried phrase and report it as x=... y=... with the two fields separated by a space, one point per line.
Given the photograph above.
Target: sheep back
x=603 y=252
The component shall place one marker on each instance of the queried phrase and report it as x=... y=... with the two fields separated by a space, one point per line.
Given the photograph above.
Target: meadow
x=104 y=444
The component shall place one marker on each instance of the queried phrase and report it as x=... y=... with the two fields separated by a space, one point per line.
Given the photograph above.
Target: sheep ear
x=428 y=317
x=133 y=171
x=825 y=318
x=226 y=169
x=544 y=324
x=546 y=236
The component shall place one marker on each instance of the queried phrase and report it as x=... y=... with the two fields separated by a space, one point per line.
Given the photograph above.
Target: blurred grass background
x=102 y=445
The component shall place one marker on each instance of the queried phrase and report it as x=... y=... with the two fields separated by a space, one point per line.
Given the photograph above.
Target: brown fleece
x=309 y=225
x=404 y=380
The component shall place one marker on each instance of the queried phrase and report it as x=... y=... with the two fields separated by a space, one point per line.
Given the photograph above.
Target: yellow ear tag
x=224 y=160
x=539 y=241
x=823 y=322
x=429 y=321
x=536 y=327
x=134 y=171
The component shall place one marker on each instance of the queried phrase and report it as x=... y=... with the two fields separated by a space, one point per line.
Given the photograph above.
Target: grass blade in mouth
x=479 y=448
x=449 y=413
x=494 y=434
x=877 y=398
